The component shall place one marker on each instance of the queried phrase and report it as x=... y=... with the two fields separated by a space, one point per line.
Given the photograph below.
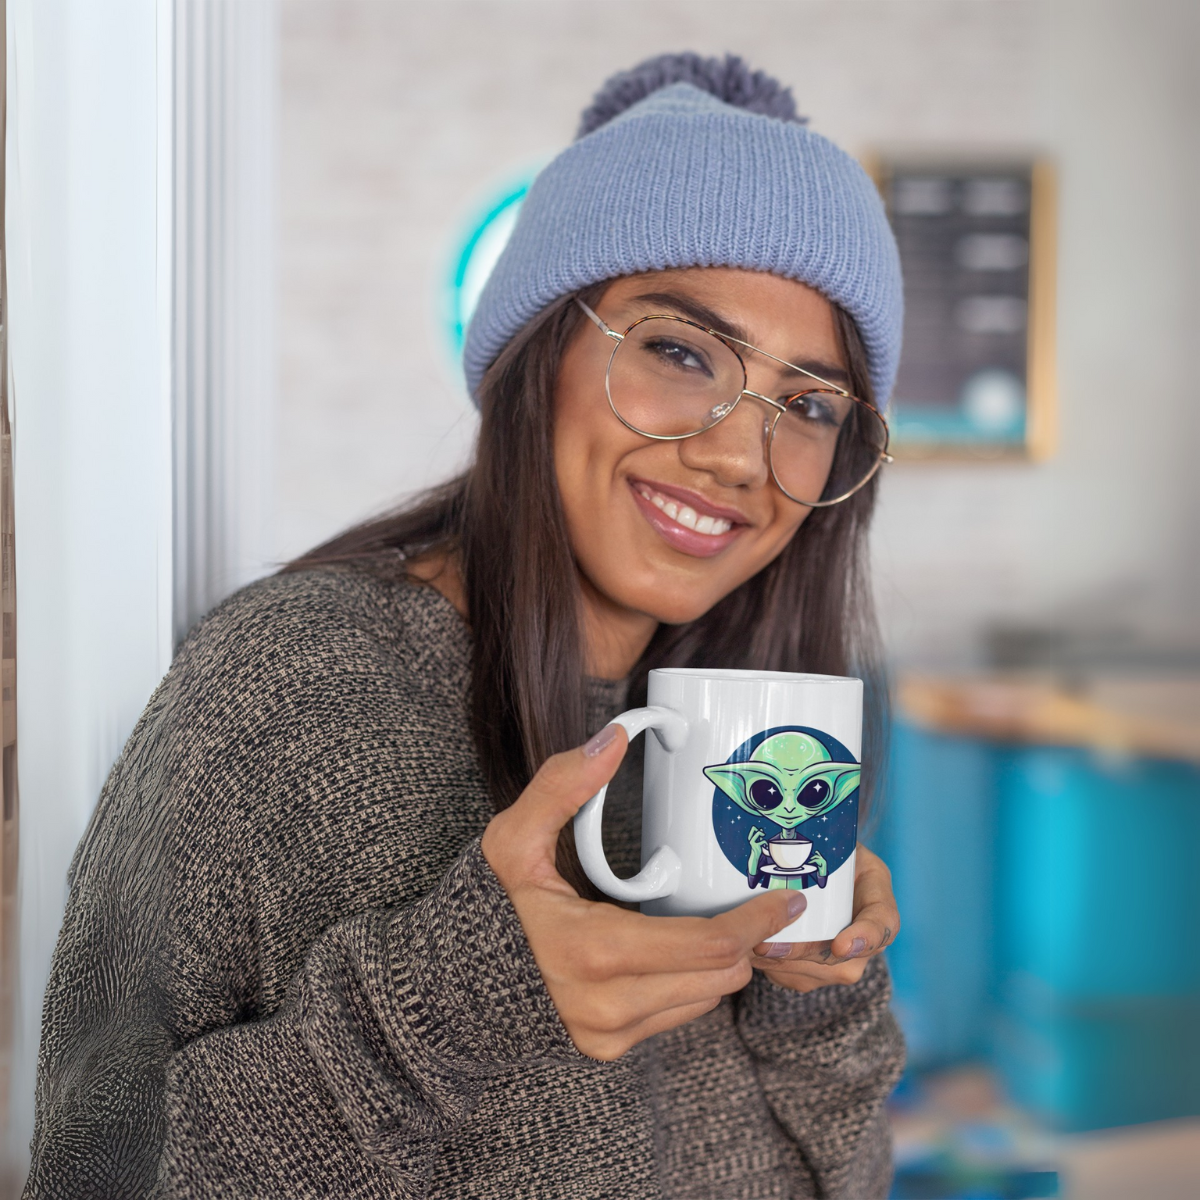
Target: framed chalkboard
x=977 y=244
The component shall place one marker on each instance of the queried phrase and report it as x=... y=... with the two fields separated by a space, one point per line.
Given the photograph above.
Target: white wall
x=1104 y=534
x=87 y=235
x=398 y=119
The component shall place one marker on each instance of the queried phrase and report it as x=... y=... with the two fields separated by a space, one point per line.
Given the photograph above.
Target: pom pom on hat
x=684 y=162
x=729 y=79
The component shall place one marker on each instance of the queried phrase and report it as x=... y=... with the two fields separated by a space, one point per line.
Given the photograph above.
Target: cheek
x=589 y=443
x=774 y=539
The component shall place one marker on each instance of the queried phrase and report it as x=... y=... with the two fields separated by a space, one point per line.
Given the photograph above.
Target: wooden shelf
x=1156 y=717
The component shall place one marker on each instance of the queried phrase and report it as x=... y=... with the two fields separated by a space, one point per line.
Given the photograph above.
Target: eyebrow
x=710 y=319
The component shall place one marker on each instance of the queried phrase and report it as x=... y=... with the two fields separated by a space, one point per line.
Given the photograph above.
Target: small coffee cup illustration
x=789 y=854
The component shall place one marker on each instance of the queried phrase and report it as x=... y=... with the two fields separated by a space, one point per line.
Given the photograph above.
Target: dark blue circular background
x=834 y=834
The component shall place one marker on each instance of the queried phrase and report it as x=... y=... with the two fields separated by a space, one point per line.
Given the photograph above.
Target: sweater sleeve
x=827 y=1060
x=285 y=968
x=388 y=1033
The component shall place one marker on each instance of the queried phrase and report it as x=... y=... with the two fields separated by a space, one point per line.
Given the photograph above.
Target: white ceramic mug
x=751 y=781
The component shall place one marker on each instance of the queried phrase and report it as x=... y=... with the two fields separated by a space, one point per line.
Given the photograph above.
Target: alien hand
x=817 y=858
x=758 y=840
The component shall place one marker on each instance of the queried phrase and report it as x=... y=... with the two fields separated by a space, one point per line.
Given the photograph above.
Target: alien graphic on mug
x=790 y=778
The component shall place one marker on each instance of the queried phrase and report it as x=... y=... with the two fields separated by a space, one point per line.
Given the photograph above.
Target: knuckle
x=723 y=949
x=594 y=959
x=878 y=865
x=740 y=975
x=498 y=836
x=554 y=774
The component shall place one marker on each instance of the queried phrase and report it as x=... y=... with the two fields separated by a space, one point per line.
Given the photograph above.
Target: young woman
x=327 y=934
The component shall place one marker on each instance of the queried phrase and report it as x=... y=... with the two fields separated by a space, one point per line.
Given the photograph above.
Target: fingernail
x=796 y=903
x=598 y=741
x=857 y=947
x=776 y=950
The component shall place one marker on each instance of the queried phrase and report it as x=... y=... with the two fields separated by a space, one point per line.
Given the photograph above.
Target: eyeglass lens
x=669 y=378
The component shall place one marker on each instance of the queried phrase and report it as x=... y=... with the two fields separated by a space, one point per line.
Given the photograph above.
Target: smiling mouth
x=684 y=514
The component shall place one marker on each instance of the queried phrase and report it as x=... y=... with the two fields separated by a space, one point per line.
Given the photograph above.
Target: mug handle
x=660 y=876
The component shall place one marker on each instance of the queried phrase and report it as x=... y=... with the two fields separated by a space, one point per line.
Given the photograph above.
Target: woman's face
x=635 y=558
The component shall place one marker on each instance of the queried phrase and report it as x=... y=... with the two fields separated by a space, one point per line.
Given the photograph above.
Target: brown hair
x=809 y=610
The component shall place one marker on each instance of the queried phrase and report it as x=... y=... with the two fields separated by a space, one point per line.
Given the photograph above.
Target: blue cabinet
x=1050 y=898
x=936 y=832
x=1097 y=900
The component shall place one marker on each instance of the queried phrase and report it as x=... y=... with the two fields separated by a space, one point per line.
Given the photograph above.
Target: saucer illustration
x=769 y=868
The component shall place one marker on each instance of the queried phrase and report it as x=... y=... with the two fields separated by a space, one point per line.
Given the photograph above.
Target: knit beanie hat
x=692 y=162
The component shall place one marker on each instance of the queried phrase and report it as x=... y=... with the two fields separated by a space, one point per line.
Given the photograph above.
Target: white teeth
x=685 y=515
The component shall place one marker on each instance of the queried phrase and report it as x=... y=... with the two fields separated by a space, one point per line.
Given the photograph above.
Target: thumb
x=564 y=784
x=760 y=919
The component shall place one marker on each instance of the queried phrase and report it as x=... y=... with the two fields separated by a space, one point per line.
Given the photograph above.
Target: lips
x=686 y=520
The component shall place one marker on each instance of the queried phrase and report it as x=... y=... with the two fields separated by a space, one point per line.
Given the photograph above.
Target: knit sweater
x=286 y=969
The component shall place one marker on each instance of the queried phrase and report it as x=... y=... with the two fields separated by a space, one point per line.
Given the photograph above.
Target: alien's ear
x=737 y=781
x=842 y=780
x=734 y=781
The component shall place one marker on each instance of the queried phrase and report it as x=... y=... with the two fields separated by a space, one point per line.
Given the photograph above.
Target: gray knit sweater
x=286 y=969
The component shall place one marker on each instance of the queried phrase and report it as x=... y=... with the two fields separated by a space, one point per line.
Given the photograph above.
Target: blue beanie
x=681 y=178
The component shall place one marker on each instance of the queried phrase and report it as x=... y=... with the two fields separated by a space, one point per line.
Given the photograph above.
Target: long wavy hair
x=502 y=520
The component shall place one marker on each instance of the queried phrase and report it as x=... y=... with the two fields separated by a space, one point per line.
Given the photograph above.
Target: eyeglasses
x=670 y=378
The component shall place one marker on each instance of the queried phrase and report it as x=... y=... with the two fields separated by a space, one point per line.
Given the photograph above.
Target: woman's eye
x=765 y=795
x=679 y=355
x=813 y=793
x=815 y=408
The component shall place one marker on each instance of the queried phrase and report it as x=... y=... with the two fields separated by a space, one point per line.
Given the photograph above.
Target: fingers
x=874 y=928
x=608 y=1047
x=661 y=993
x=623 y=1004
x=876 y=917
x=656 y=945
x=613 y=941
x=779 y=952
x=566 y=782
x=804 y=976
x=756 y=920
x=521 y=840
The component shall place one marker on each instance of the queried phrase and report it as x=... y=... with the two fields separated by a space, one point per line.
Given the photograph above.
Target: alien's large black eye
x=813 y=793
x=765 y=795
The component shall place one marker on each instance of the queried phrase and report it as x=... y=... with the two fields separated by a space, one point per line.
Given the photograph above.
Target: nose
x=734 y=451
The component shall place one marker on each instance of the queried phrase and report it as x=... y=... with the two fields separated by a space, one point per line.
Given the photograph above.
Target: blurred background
x=240 y=240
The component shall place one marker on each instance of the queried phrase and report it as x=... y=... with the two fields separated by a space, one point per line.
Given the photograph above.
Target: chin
x=673 y=608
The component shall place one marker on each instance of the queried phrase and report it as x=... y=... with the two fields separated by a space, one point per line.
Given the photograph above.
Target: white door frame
x=139 y=215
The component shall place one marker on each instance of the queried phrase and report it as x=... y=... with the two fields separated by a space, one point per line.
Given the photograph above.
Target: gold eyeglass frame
x=780 y=406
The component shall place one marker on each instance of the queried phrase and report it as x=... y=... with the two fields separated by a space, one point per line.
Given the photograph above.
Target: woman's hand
x=616 y=977
x=806 y=966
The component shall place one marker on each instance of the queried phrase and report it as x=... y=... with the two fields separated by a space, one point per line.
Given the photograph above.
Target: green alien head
x=789 y=779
